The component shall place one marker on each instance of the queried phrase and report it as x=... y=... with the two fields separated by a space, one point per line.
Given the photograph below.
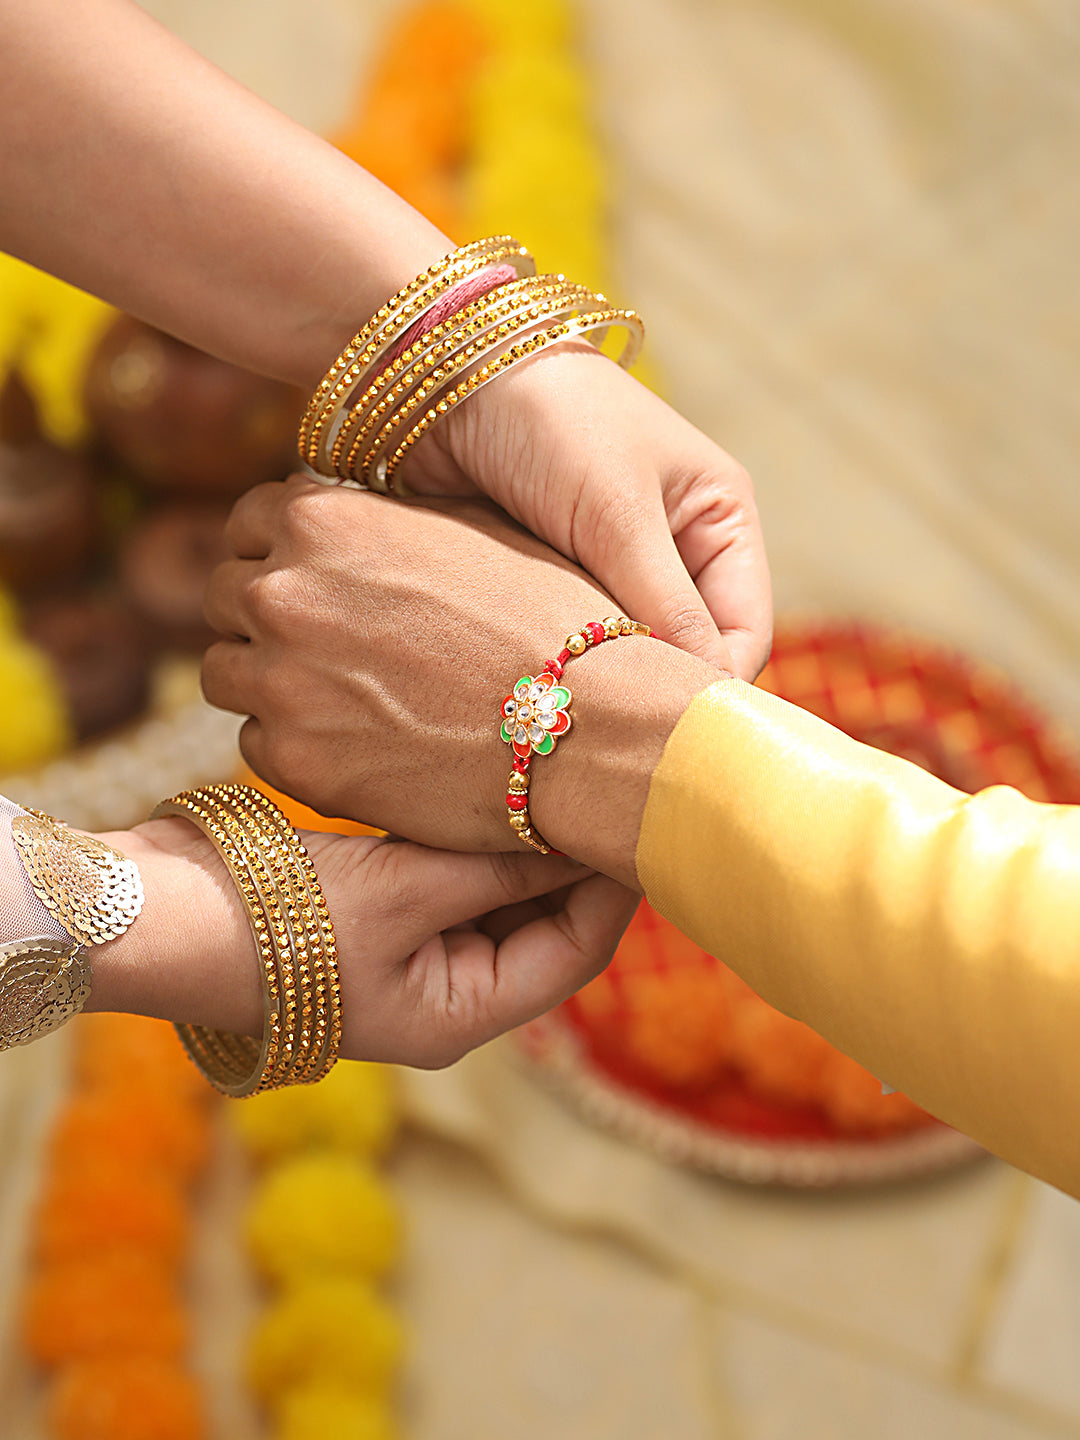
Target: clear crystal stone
x=520 y=735
x=536 y=690
x=508 y=708
x=547 y=719
x=536 y=733
x=546 y=702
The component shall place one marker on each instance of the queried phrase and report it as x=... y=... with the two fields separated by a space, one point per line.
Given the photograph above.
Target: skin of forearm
x=588 y=797
x=135 y=169
x=190 y=955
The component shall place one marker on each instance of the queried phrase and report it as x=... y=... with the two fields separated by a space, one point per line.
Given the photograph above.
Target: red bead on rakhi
x=537 y=712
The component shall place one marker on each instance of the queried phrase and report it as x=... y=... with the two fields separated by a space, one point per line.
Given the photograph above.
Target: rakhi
x=537 y=712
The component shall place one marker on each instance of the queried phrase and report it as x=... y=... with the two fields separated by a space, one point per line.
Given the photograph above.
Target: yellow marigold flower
x=50 y=330
x=319 y=1411
x=352 y=1109
x=327 y=1331
x=322 y=1213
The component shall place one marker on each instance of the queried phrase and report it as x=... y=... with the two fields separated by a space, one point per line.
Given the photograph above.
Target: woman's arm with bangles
x=137 y=170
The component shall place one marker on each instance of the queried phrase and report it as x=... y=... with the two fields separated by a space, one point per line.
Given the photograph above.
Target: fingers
x=733 y=580
x=255 y=521
x=228 y=676
x=648 y=577
x=544 y=961
x=436 y=889
x=226 y=603
x=711 y=511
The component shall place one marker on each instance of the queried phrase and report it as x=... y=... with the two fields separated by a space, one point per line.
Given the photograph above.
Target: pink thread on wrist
x=455 y=299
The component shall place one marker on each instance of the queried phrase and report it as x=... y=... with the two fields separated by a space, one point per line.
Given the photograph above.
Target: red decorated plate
x=670 y=1048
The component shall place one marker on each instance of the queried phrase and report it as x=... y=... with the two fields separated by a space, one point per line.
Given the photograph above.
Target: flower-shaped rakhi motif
x=535 y=714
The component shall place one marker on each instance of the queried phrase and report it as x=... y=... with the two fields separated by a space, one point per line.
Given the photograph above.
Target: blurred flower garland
x=323 y=1228
x=476 y=113
x=103 y=1307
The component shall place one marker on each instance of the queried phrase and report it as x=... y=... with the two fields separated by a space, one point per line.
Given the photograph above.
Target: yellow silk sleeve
x=933 y=935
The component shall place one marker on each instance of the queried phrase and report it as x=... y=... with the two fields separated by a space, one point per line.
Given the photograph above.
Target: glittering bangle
x=435 y=344
x=537 y=712
x=93 y=893
x=297 y=953
x=390 y=323
x=440 y=353
x=378 y=471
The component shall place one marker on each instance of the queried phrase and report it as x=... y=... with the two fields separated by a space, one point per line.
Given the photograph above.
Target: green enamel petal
x=507 y=732
x=525 y=680
x=561 y=694
x=546 y=745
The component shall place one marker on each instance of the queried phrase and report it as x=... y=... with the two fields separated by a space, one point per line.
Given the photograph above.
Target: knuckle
x=253 y=748
x=308 y=513
x=688 y=628
x=739 y=478
x=272 y=597
x=439 y=1054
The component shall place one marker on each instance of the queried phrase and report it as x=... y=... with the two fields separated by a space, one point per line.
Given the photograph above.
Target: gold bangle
x=382 y=470
x=237 y=1065
x=388 y=324
x=310 y=920
x=479 y=338
x=436 y=350
x=295 y=938
x=276 y=894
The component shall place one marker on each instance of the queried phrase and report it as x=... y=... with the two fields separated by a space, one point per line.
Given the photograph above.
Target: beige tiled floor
x=939 y=1309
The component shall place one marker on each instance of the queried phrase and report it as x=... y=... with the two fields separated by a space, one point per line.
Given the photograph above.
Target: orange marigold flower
x=120 y=1303
x=142 y=1128
x=780 y=1059
x=141 y=1398
x=110 y=1206
x=677 y=1025
x=853 y=1100
x=131 y=1050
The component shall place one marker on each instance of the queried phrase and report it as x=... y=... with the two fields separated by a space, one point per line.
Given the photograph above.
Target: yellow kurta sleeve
x=933 y=935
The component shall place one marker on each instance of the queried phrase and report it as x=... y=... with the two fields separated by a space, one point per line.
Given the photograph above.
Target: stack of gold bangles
x=298 y=955
x=378 y=398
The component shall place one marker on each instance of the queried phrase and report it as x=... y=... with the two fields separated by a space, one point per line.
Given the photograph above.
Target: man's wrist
x=588 y=797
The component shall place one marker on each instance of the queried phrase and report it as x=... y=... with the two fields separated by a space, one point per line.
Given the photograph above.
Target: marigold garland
x=103 y=1307
x=136 y=1398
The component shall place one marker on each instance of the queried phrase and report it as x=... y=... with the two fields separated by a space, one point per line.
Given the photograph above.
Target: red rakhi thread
x=537 y=712
x=473 y=287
